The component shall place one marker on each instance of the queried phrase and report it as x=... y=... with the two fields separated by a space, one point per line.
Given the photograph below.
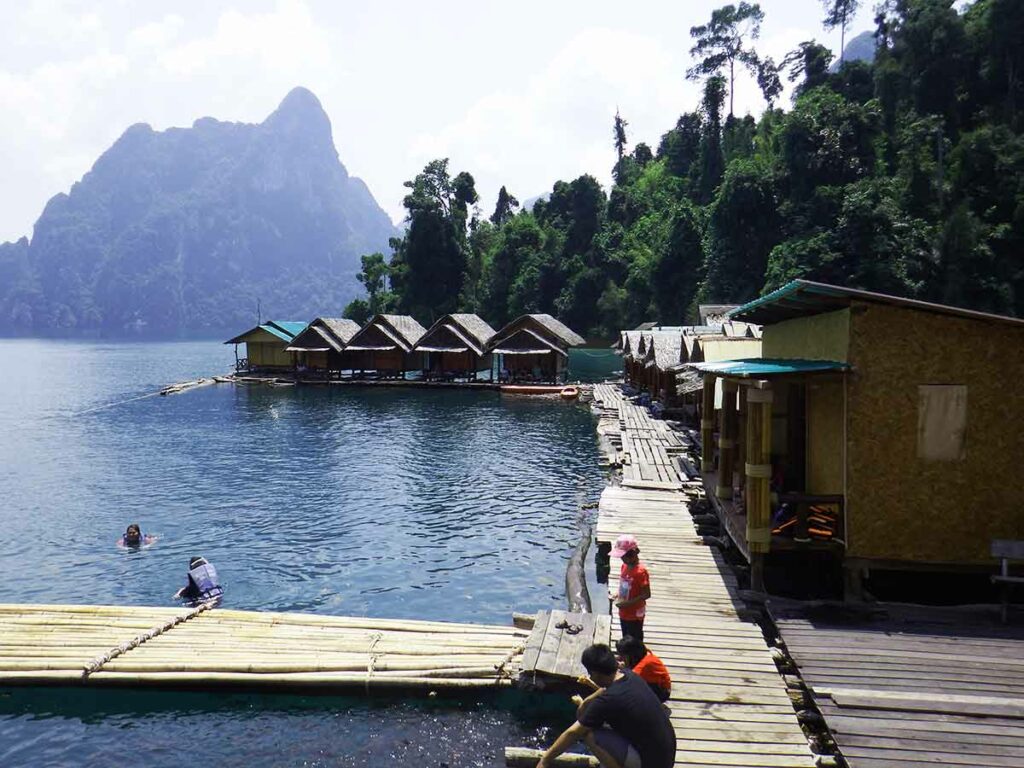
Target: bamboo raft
x=213 y=647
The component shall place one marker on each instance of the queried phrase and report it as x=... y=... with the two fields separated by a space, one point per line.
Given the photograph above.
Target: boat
x=531 y=389
x=569 y=393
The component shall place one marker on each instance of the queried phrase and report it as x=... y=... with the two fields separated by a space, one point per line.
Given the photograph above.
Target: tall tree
x=839 y=13
x=712 y=160
x=722 y=42
x=620 y=135
x=505 y=208
x=373 y=276
x=430 y=262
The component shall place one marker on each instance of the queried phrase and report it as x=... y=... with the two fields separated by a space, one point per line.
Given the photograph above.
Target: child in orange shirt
x=634 y=587
x=636 y=656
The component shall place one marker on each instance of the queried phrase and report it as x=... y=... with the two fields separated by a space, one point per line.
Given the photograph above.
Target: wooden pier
x=730 y=705
x=912 y=686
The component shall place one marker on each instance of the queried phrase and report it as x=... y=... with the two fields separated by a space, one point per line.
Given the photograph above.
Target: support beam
x=727 y=440
x=758 y=470
x=707 y=425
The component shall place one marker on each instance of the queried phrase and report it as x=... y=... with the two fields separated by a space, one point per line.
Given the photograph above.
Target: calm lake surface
x=336 y=500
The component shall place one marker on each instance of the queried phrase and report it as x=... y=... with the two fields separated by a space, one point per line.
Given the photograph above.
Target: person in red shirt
x=638 y=657
x=634 y=587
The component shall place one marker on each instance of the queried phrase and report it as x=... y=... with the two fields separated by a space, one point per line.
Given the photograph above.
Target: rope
x=500 y=668
x=97 y=663
x=375 y=638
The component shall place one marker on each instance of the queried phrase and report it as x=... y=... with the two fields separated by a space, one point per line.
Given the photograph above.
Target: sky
x=518 y=94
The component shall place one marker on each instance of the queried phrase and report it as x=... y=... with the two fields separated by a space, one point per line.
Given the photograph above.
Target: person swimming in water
x=203 y=584
x=134 y=537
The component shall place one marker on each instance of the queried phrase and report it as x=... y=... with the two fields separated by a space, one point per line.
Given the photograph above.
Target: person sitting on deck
x=134 y=538
x=634 y=587
x=638 y=657
x=639 y=734
x=203 y=584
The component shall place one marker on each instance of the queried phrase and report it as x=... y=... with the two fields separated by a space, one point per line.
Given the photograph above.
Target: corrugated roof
x=758 y=367
x=802 y=298
x=281 y=329
x=292 y=327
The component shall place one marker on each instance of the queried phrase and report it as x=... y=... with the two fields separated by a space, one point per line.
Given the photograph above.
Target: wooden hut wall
x=904 y=507
x=267 y=354
x=529 y=365
x=824 y=404
x=313 y=360
x=718 y=348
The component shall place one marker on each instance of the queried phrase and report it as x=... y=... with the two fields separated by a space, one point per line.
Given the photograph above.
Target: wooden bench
x=1007 y=550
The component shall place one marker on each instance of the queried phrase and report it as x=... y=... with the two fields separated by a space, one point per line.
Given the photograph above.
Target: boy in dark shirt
x=639 y=734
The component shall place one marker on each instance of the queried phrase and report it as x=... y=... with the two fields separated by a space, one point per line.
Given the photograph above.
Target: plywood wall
x=901 y=506
x=268 y=355
x=818 y=337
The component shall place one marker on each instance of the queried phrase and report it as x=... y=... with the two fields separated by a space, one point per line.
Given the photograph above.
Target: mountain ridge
x=180 y=232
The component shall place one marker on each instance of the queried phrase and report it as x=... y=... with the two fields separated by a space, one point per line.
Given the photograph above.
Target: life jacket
x=204 y=577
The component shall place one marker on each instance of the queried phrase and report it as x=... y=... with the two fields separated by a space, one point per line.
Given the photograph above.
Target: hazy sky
x=517 y=93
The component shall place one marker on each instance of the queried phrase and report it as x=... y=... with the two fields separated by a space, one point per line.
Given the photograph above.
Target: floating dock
x=729 y=704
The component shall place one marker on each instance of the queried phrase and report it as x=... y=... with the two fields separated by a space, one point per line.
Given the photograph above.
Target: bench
x=1007 y=550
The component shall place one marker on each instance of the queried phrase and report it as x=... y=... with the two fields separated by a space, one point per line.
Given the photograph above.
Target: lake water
x=336 y=500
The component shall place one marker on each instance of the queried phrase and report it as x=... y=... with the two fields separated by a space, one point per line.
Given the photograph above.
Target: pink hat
x=625 y=543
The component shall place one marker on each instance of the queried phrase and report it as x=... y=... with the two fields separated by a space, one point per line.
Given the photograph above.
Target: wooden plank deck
x=553 y=651
x=913 y=686
x=729 y=704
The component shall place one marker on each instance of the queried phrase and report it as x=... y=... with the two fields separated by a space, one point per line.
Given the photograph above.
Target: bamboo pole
x=707 y=425
x=522 y=757
x=726 y=439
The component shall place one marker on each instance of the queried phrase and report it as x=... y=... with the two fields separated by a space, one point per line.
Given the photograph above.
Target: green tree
x=712 y=159
x=722 y=43
x=505 y=207
x=430 y=262
x=810 y=61
x=373 y=277
x=619 y=132
x=839 y=13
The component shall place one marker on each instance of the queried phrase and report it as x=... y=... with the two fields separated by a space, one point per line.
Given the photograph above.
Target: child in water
x=133 y=538
x=203 y=584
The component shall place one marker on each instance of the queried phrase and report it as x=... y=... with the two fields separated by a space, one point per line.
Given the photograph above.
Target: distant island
x=181 y=232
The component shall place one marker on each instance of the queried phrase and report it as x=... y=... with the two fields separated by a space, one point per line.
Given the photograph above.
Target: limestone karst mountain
x=180 y=232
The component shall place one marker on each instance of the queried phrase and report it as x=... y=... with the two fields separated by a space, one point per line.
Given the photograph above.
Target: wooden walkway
x=729 y=704
x=175 y=647
x=914 y=687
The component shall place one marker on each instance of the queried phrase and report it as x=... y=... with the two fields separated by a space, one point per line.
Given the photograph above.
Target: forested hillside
x=903 y=175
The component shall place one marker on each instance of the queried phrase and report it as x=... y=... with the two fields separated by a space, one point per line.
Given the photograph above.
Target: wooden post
x=726 y=440
x=758 y=470
x=741 y=437
x=707 y=425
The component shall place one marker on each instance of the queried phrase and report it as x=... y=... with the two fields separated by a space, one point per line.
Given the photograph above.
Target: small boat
x=531 y=389
x=569 y=393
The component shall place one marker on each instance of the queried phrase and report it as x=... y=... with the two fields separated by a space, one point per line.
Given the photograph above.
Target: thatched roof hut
x=386 y=333
x=665 y=350
x=325 y=334
x=457 y=333
x=555 y=333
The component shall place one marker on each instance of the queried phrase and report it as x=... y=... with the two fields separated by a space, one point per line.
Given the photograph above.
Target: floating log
x=521 y=757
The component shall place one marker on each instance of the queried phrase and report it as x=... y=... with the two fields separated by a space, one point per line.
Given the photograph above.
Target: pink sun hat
x=625 y=543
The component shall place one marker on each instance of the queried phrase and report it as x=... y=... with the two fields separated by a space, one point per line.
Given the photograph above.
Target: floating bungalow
x=533 y=348
x=455 y=348
x=319 y=347
x=266 y=346
x=385 y=346
x=882 y=431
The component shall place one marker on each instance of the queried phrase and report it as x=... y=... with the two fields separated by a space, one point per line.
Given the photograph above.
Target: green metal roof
x=291 y=327
x=802 y=298
x=286 y=330
x=759 y=367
